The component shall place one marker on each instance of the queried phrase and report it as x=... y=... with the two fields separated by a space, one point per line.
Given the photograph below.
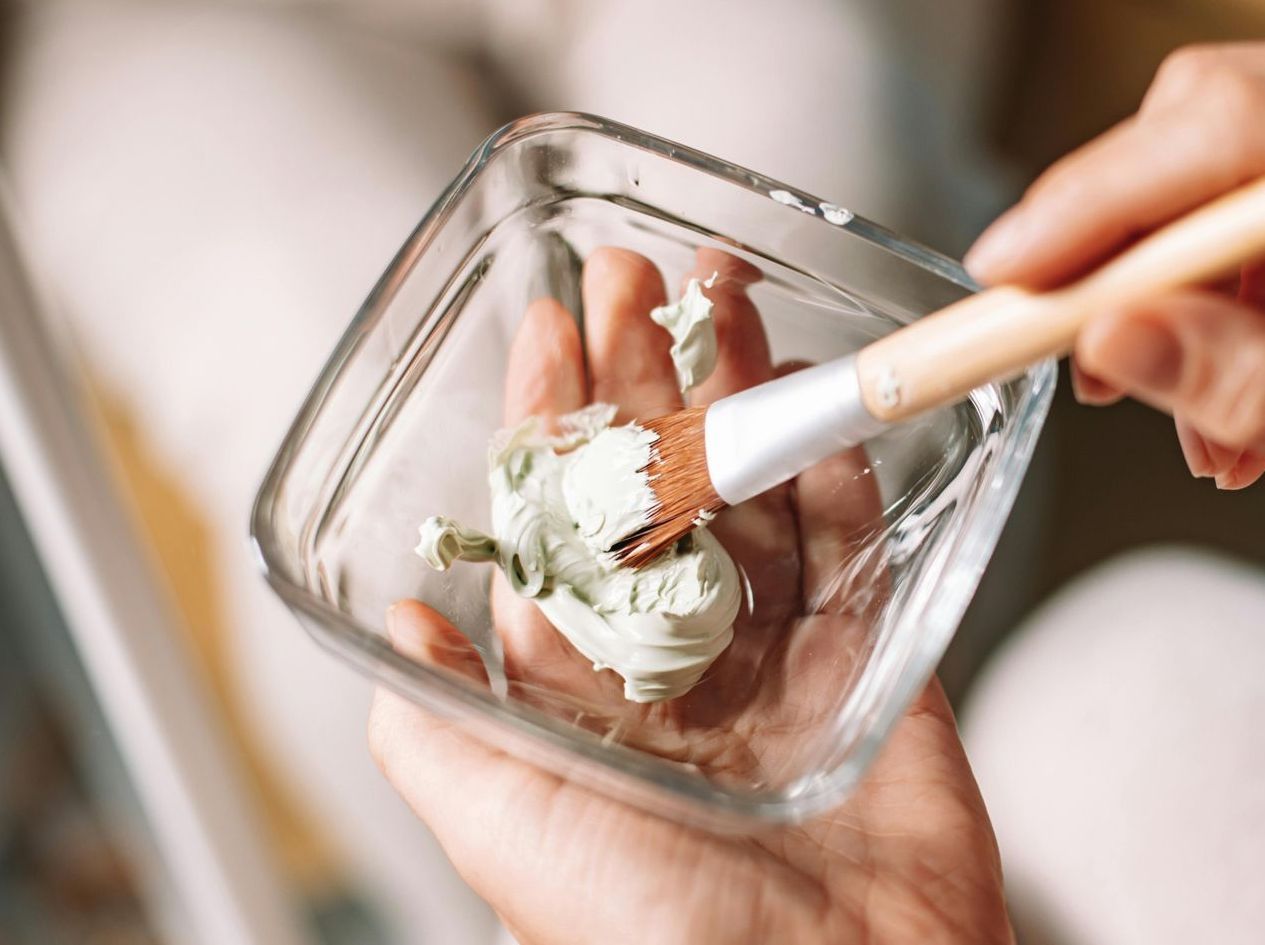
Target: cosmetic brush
x=707 y=458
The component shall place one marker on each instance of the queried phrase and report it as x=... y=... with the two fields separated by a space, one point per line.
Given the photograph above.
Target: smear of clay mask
x=607 y=493
x=558 y=505
x=689 y=321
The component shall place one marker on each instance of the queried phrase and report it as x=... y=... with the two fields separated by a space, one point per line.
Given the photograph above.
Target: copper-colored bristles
x=678 y=474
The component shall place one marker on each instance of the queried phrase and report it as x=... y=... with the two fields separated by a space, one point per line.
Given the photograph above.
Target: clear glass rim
x=436 y=691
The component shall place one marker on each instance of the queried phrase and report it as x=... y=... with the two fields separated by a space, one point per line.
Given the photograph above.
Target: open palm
x=910 y=857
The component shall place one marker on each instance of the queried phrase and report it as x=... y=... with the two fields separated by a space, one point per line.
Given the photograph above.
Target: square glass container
x=397 y=425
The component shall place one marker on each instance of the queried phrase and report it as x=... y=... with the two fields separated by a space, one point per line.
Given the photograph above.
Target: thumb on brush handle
x=997 y=333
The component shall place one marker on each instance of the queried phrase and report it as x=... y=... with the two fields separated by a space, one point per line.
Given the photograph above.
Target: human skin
x=1198 y=354
x=910 y=857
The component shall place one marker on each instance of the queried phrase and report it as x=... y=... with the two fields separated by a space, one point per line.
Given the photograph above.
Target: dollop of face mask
x=559 y=503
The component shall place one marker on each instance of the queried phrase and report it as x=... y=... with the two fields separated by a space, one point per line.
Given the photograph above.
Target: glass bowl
x=397 y=425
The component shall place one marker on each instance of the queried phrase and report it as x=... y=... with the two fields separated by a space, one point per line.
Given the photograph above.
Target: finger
x=545 y=375
x=742 y=358
x=1191 y=353
x=1178 y=80
x=485 y=808
x=1194 y=449
x=1090 y=390
x=429 y=638
x=418 y=751
x=1204 y=458
x=727 y=268
x=1247 y=471
x=628 y=353
x=1137 y=176
x=839 y=512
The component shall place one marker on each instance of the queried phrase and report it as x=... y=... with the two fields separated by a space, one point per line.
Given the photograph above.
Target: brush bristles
x=682 y=486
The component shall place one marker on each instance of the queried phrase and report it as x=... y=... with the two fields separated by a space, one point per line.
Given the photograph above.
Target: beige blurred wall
x=1078 y=66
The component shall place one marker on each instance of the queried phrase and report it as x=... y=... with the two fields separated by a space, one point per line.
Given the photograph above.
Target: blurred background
x=197 y=196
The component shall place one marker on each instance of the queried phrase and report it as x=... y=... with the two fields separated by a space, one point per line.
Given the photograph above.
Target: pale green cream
x=444 y=541
x=606 y=493
x=689 y=321
x=559 y=503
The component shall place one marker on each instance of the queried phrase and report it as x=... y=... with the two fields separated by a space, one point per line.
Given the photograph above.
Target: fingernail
x=996 y=249
x=1194 y=450
x=1092 y=392
x=393 y=624
x=1143 y=355
x=1198 y=462
x=1229 y=481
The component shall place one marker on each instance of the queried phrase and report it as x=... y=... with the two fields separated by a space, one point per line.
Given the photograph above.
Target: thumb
x=415 y=749
x=465 y=791
x=1192 y=353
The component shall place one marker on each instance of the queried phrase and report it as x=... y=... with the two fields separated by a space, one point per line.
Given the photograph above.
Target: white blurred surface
x=1117 y=741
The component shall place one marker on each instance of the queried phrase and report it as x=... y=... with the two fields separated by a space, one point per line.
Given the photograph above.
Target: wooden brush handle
x=997 y=333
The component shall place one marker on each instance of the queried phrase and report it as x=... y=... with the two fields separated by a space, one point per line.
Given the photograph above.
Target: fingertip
x=1093 y=343
x=424 y=635
x=614 y=266
x=409 y=623
x=1226 y=483
x=1246 y=471
x=1222 y=458
x=995 y=255
x=1135 y=350
x=1191 y=352
x=545 y=312
x=730 y=270
x=1090 y=390
x=1194 y=450
x=620 y=287
x=551 y=330
x=545 y=375
x=1231 y=481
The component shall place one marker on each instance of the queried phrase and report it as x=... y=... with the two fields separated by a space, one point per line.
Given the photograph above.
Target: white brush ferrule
x=763 y=436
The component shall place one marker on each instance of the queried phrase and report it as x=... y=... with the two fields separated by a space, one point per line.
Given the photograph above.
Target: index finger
x=1141 y=174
